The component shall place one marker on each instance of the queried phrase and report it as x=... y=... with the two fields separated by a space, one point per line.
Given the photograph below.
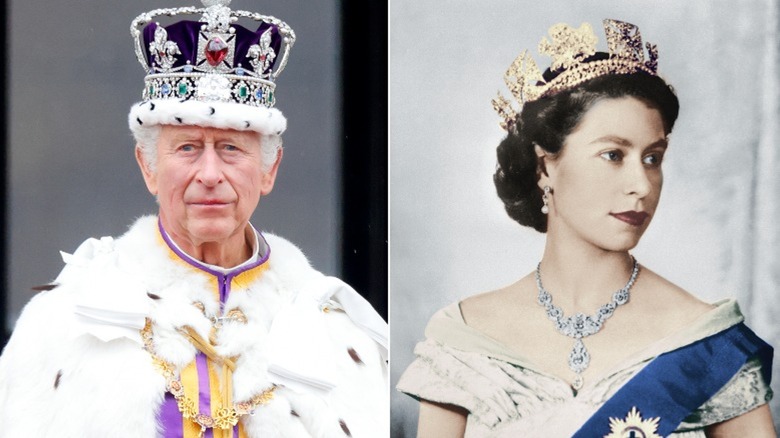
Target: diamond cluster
x=579 y=325
x=215 y=75
x=208 y=87
x=569 y=49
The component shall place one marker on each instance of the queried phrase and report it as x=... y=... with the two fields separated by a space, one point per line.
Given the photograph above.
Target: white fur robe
x=75 y=366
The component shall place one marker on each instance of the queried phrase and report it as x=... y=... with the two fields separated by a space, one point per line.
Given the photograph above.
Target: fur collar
x=108 y=289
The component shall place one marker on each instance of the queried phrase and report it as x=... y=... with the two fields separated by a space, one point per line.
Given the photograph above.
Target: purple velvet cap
x=186 y=34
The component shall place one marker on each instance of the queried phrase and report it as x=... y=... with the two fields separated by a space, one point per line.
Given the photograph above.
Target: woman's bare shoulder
x=494 y=307
x=668 y=300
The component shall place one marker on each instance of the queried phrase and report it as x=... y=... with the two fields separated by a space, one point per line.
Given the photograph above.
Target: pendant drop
x=578 y=382
x=579 y=358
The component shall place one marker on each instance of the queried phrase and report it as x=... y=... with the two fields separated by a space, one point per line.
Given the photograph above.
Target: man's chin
x=213 y=230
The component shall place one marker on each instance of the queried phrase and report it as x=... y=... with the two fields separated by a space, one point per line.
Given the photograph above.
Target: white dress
x=506 y=395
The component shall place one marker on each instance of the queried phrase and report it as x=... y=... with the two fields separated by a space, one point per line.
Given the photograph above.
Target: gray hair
x=147 y=138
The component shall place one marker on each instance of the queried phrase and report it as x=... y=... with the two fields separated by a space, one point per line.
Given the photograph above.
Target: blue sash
x=678 y=382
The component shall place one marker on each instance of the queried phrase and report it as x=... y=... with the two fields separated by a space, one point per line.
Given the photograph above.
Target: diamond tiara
x=211 y=59
x=570 y=50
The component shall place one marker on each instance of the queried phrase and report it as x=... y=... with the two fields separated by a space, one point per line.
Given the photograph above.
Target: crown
x=211 y=59
x=571 y=50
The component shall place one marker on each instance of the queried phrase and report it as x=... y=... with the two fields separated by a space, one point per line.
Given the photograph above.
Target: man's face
x=208 y=182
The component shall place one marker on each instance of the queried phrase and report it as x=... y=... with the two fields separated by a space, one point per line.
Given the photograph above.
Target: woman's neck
x=580 y=276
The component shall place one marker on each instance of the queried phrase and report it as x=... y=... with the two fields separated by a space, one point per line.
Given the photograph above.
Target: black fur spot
x=178 y=119
x=212 y=110
x=344 y=428
x=152 y=296
x=57 y=379
x=44 y=287
x=247 y=123
x=355 y=356
x=138 y=119
x=152 y=106
x=294 y=414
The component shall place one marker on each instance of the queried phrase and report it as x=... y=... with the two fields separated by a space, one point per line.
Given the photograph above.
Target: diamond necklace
x=580 y=325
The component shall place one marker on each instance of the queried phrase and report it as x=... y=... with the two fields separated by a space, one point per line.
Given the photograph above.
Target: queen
x=591 y=343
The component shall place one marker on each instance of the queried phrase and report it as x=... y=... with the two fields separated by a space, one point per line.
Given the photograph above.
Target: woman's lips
x=633 y=218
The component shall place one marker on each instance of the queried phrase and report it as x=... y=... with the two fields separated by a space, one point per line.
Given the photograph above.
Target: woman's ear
x=542 y=157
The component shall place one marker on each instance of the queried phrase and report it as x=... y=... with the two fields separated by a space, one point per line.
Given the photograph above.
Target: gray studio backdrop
x=715 y=233
x=73 y=77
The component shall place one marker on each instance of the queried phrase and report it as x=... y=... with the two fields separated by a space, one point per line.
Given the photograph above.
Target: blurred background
x=716 y=232
x=70 y=78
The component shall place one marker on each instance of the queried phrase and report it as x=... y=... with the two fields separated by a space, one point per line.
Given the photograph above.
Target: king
x=194 y=323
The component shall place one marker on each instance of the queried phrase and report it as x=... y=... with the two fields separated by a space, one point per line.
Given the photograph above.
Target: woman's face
x=607 y=180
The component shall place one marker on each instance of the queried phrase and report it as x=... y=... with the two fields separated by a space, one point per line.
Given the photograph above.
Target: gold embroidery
x=225 y=418
x=186 y=406
x=236 y=315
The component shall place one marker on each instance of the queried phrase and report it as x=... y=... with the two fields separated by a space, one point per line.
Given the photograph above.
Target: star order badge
x=633 y=426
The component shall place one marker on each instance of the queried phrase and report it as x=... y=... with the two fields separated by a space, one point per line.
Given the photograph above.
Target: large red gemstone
x=216 y=51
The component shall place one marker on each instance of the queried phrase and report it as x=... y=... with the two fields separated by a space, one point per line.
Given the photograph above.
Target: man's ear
x=269 y=177
x=150 y=176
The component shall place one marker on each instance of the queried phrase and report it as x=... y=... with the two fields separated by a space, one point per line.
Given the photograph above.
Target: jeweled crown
x=570 y=50
x=211 y=59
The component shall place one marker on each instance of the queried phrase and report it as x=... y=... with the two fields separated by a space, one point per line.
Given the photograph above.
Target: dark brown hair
x=549 y=120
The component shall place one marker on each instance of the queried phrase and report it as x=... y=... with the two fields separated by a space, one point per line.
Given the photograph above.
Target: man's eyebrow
x=180 y=137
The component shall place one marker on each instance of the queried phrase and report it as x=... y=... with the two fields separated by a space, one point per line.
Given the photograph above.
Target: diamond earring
x=546 y=199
